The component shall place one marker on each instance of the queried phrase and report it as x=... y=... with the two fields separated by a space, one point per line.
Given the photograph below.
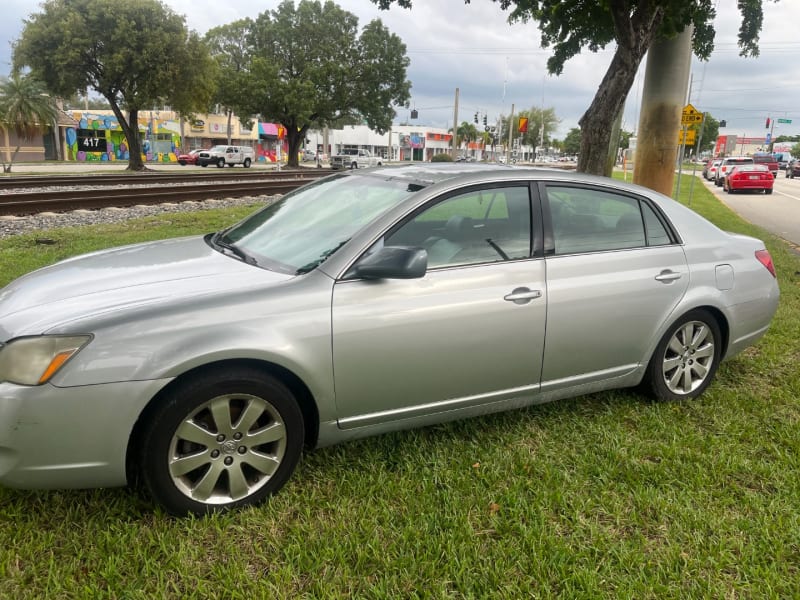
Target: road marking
x=777 y=191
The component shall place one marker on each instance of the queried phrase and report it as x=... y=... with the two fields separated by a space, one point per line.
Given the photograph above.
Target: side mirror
x=393 y=262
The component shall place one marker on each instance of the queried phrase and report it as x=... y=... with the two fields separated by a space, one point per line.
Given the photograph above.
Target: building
x=96 y=136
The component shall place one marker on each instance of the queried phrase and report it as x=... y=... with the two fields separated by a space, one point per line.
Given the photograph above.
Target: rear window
x=739 y=161
x=763 y=159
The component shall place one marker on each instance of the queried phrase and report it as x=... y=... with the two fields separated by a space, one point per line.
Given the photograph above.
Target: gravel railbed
x=10 y=226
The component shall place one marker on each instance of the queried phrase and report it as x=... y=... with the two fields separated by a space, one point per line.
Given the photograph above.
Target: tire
x=222 y=440
x=204 y=165
x=686 y=359
x=768 y=191
x=182 y=163
x=221 y=163
x=246 y=163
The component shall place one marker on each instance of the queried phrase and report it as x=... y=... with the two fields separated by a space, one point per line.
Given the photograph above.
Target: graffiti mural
x=99 y=138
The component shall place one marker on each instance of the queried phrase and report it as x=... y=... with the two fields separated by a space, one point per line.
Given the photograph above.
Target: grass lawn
x=607 y=495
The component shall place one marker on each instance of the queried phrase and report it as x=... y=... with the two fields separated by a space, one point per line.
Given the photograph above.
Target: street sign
x=768 y=138
x=691 y=136
x=690 y=115
x=784 y=120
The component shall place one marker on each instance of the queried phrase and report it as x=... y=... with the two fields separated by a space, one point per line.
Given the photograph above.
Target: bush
x=443 y=157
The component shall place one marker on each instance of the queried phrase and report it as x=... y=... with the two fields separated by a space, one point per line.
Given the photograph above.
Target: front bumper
x=75 y=437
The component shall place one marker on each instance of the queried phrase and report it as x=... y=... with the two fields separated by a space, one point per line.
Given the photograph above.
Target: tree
x=568 y=26
x=537 y=119
x=136 y=54
x=26 y=109
x=467 y=132
x=572 y=142
x=309 y=67
x=229 y=46
x=708 y=130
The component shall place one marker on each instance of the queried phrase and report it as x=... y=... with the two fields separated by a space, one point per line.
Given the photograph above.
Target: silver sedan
x=369 y=301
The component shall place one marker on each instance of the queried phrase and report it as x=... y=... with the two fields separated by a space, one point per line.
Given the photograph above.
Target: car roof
x=442 y=175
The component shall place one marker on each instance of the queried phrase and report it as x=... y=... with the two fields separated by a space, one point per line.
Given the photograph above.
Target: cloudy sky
x=472 y=47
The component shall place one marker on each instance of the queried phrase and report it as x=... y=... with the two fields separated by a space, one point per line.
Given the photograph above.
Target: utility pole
x=510 y=135
x=454 y=153
x=665 y=84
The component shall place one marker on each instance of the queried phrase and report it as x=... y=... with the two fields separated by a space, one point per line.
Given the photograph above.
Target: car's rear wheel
x=223 y=440
x=246 y=163
x=768 y=191
x=221 y=163
x=686 y=359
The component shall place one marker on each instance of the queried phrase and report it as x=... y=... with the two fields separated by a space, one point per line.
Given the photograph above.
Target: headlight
x=34 y=360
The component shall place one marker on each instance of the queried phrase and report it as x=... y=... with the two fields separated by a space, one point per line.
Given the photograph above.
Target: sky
x=495 y=65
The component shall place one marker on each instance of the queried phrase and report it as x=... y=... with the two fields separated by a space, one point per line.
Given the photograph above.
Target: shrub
x=443 y=157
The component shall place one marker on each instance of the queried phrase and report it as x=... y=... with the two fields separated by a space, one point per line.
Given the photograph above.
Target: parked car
x=361 y=303
x=309 y=155
x=190 y=158
x=727 y=164
x=710 y=170
x=223 y=154
x=749 y=178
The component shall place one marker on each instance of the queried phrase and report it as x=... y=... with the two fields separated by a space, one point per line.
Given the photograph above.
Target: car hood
x=121 y=279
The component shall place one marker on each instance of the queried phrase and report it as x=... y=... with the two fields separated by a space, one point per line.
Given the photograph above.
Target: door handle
x=522 y=295
x=668 y=276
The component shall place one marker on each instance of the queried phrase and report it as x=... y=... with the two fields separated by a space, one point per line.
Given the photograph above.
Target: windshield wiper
x=217 y=240
x=322 y=258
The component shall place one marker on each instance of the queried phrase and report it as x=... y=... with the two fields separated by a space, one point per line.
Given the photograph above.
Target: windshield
x=302 y=229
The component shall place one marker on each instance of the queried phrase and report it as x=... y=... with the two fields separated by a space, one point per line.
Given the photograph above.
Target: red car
x=189 y=158
x=748 y=177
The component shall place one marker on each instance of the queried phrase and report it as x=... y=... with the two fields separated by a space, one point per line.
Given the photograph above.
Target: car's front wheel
x=222 y=440
x=686 y=359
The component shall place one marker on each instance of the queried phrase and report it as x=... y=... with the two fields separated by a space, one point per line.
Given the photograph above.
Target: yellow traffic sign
x=690 y=115
x=690 y=137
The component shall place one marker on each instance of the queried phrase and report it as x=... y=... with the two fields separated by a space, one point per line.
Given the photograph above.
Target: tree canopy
x=569 y=26
x=310 y=66
x=229 y=46
x=137 y=54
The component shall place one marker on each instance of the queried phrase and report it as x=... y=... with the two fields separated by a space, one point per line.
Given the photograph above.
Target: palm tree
x=25 y=109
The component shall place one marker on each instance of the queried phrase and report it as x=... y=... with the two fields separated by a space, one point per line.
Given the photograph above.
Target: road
x=779 y=213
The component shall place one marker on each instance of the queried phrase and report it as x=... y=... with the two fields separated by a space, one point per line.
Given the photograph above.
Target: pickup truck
x=226 y=155
x=350 y=158
x=767 y=159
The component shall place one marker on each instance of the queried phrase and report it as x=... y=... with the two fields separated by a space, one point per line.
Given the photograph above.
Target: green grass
x=607 y=495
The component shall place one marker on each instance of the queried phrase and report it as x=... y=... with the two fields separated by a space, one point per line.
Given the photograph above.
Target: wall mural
x=99 y=138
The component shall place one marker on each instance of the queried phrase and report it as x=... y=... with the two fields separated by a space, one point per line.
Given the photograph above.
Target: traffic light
x=485 y=122
x=767 y=125
x=723 y=123
x=476 y=117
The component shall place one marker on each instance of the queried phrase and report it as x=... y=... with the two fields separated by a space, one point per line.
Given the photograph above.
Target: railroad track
x=153 y=189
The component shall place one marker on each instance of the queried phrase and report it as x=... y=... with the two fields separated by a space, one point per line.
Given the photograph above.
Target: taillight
x=765 y=259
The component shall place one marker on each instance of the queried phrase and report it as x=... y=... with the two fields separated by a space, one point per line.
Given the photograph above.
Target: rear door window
x=592 y=220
